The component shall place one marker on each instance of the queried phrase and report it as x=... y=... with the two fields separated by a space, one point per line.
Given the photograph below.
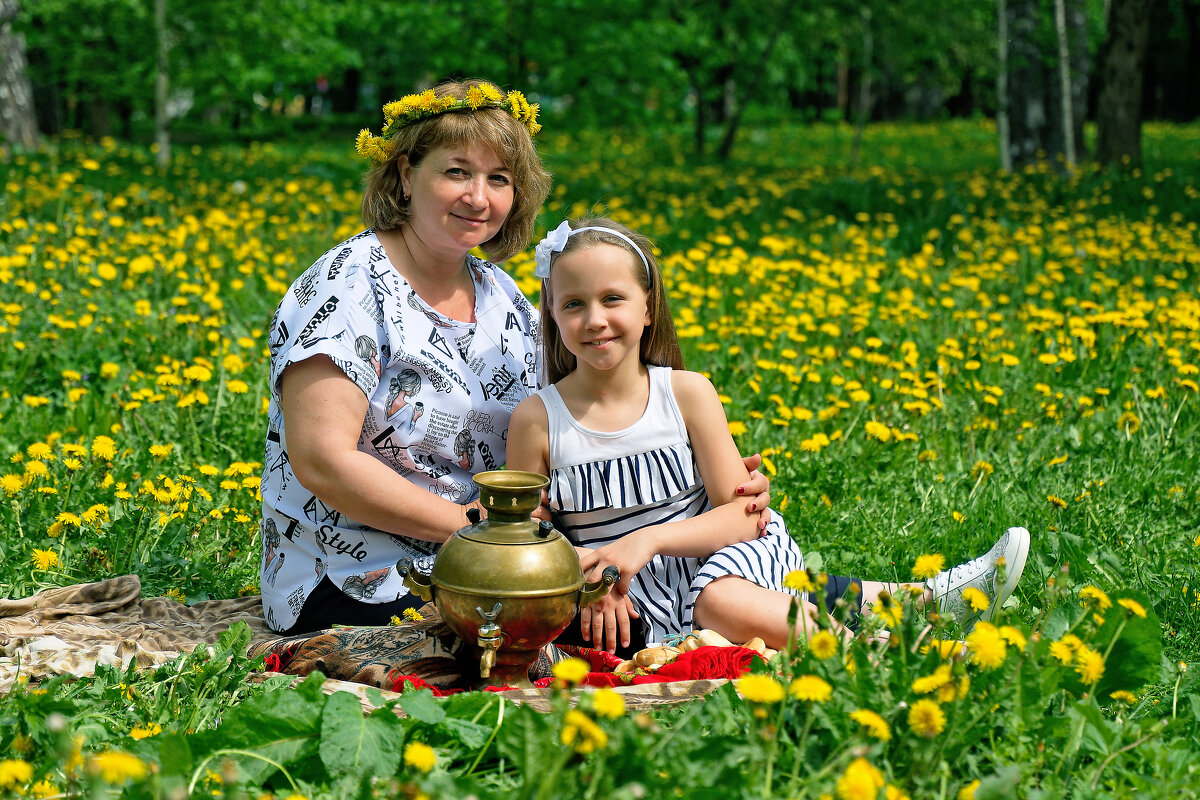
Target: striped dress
x=604 y=485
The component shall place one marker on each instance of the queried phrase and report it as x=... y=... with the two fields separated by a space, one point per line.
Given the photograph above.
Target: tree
x=18 y=122
x=1118 y=111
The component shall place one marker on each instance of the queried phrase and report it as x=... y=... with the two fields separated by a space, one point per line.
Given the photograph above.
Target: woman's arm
x=323 y=413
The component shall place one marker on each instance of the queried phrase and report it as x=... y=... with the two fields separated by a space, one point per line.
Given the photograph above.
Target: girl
x=643 y=469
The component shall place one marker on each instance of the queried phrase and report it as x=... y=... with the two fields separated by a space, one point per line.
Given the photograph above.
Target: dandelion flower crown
x=411 y=108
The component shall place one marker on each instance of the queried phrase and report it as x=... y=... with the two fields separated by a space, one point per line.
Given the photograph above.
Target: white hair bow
x=554 y=242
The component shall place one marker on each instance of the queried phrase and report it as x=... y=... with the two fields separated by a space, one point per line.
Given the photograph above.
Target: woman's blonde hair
x=384 y=206
x=659 y=345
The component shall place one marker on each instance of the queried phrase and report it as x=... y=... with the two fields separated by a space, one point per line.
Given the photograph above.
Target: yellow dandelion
x=860 y=781
x=760 y=689
x=968 y=792
x=115 y=766
x=40 y=451
x=44 y=788
x=161 y=450
x=810 y=689
x=986 y=647
x=875 y=725
x=1129 y=422
x=928 y=566
x=1089 y=665
x=798 y=580
x=823 y=645
x=976 y=599
x=926 y=718
x=12 y=484
x=582 y=734
x=1013 y=636
x=931 y=683
x=1095 y=599
x=419 y=756
x=104 y=448
x=1132 y=606
x=412 y=615
x=982 y=469
x=14 y=773
x=607 y=703
x=571 y=671
x=44 y=559
x=1122 y=696
x=67 y=518
x=1064 y=649
x=1056 y=501
x=153 y=729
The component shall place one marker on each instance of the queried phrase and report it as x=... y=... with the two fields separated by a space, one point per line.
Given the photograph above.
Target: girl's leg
x=739 y=610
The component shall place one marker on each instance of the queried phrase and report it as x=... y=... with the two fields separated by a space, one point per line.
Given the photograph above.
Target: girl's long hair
x=659 y=346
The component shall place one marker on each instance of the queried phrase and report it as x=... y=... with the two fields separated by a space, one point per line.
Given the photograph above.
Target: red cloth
x=699 y=664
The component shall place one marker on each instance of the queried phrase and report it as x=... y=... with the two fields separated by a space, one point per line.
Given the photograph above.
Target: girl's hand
x=629 y=554
x=759 y=488
x=601 y=622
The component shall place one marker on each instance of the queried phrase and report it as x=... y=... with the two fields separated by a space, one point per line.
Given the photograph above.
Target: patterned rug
x=72 y=629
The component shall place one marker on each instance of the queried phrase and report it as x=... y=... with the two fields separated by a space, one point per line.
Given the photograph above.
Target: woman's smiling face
x=459 y=197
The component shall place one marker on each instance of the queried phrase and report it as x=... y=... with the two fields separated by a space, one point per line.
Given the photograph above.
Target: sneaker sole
x=1012 y=573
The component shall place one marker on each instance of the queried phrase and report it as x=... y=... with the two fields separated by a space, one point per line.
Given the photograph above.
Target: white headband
x=556 y=240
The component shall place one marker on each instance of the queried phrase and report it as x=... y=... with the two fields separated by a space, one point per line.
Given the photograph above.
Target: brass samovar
x=508 y=583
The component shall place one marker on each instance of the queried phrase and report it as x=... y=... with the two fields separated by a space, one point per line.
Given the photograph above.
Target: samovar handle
x=592 y=592
x=489 y=639
x=416 y=582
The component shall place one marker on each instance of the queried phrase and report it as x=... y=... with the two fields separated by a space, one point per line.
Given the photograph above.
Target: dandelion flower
x=810 y=689
x=40 y=451
x=930 y=683
x=571 y=671
x=968 y=792
x=760 y=689
x=982 y=469
x=926 y=718
x=44 y=559
x=876 y=725
x=419 y=756
x=161 y=450
x=412 y=615
x=823 y=645
x=14 y=772
x=114 y=766
x=153 y=729
x=976 y=599
x=1095 y=599
x=986 y=647
x=237 y=387
x=1122 y=696
x=860 y=781
x=1129 y=422
x=1089 y=665
x=44 y=788
x=1013 y=636
x=12 y=484
x=104 y=448
x=1056 y=501
x=582 y=734
x=1064 y=649
x=1132 y=606
x=798 y=580
x=928 y=566
x=607 y=703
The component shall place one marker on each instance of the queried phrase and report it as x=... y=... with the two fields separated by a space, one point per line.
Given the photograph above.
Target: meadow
x=925 y=350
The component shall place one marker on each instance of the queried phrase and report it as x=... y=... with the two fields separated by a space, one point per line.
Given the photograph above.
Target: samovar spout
x=592 y=592
x=489 y=639
x=414 y=581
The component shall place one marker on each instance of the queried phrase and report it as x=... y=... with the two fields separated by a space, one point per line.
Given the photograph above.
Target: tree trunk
x=1118 y=109
x=1026 y=85
x=864 y=86
x=18 y=120
x=1002 y=132
x=735 y=119
x=162 y=130
x=1065 y=83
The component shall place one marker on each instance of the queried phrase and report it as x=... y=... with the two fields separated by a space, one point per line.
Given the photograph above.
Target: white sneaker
x=982 y=573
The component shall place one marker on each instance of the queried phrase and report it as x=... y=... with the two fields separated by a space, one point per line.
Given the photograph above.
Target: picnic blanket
x=70 y=630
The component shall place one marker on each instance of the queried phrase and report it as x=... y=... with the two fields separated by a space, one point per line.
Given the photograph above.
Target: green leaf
x=1135 y=656
x=352 y=744
x=1000 y=786
x=421 y=706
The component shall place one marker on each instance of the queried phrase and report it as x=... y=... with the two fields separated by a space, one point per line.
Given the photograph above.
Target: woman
x=350 y=481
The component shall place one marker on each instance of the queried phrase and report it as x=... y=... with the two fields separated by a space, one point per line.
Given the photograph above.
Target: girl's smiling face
x=460 y=197
x=599 y=305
